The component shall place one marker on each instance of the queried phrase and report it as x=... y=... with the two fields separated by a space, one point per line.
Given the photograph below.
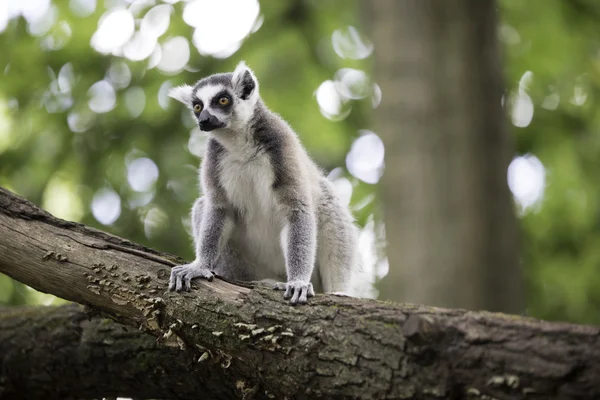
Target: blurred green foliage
x=559 y=42
x=44 y=160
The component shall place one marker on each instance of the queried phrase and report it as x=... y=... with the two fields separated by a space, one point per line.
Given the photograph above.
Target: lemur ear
x=244 y=82
x=182 y=94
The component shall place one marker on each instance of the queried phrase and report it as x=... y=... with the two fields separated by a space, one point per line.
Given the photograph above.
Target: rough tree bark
x=64 y=352
x=450 y=222
x=238 y=341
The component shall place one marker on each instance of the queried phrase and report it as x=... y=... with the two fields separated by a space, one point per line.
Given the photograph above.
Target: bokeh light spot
x=66 y=78
x=551 y=101
x=31 y=10
x=114 y=30
x=119 y=74
x=527 y=180
x=44 y=23
x=353 y=83
x=142 y=174
x=155 y=221
x=331 y=104
x=4 y=17
x=106 y=206
x=102 y=97
x=579 y=96
x=197 y=142
x=135 y=101
x=521 y=105
x=58 y=37
x=163 y=94
x=376 y=96
x=61 y=199
x=343 y=189
x=365 y=159
x=139 y=47
x=156 y=21
x=209 y=36
x=521 y=110
x=508 y=34
x=175 y=54
x=349 y=43
x=82 y=8
x=80 y=121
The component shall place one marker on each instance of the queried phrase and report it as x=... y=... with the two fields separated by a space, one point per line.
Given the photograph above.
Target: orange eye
x=197 y=107
x=223 y=101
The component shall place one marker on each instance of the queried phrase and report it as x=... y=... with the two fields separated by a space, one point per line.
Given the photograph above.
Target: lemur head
x=225 y=100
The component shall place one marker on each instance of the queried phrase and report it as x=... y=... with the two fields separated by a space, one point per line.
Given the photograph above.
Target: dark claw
x=296 y=292
x=303 y=294
x=187 y=283
x=182 y=276
x=311 y=290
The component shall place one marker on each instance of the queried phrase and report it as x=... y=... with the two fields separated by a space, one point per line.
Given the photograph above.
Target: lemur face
x=224 y=100
x=213 y=103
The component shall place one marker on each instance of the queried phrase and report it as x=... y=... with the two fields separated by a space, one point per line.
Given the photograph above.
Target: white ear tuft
x=182 y=94
x=244 y=82
x=239 y=69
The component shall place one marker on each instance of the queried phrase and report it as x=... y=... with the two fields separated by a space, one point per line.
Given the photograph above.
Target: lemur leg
x=197 y=216
x=211 y=230
x=337 y=257
x=283 y=286
x=298 y=240
x=197 y=211
x=229 y=263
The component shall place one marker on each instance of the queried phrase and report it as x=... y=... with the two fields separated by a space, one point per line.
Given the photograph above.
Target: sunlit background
x=88 y=133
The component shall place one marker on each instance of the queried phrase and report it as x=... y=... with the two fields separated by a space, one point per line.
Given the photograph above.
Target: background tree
x=450 y=224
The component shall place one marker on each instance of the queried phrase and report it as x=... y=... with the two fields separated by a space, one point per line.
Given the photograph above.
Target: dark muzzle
x=208 y=122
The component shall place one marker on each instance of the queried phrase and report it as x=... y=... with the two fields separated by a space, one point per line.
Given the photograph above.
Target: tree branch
x=62 y=352
x=336 y=347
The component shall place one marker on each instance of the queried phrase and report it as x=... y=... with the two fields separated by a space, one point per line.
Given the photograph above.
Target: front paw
x=182 y=275
x=297 y=291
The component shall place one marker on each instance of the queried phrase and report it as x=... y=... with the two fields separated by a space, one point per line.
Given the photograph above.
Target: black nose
x=206 y=125
x=208 y=122
x=204 y=117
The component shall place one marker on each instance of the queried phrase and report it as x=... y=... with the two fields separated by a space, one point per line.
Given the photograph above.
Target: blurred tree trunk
x=450 y=223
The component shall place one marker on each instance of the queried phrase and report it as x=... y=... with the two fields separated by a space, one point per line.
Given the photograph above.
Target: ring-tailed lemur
x=268 y=213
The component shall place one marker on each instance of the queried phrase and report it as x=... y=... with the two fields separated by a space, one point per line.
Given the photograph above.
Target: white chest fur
x=248 y=186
